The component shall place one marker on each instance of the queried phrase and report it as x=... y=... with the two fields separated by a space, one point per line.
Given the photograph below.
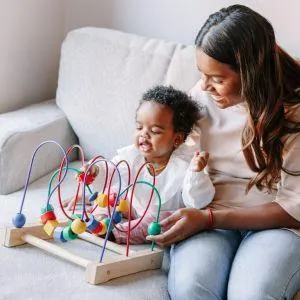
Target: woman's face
x=219 y=80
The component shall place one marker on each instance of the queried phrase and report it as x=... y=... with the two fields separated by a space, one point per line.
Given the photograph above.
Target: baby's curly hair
x=186 y=111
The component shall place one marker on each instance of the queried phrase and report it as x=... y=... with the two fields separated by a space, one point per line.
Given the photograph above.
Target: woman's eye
x=217 y=80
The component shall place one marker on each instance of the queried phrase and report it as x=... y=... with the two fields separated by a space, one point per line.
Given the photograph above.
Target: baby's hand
x=93 y=170
x=199 y=161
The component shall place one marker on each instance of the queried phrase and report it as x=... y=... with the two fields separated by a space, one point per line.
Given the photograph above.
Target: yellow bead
x=123 y=206
x=102 y=200
x=78 y=226
x=104 y=228
x=50 y=226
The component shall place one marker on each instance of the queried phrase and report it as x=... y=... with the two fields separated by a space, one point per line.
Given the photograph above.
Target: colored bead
x=112 y=199
x=19 y=220
x=154 y=228
x=99 y=228
x=46 y=208
x=104 y=228
x=106 y=221
x=92 y=223
x=49 y=215
x=102 y=200
x=117 y=217
x=123 y=206
x=50 y=226
x=68 y=234
x=88 y=179
x=78 y=226
x=57 y=234
x=93 y=197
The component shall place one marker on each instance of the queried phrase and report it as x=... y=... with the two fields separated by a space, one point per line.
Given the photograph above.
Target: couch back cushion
x=102 y=76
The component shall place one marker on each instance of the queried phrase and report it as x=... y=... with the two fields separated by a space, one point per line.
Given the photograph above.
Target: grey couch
x=102 y=76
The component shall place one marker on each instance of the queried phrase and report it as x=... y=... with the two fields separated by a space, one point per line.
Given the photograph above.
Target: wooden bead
x=88 y=179
x=112 y=199
x=154 y=228
x=57 y=234
x=123 y=206
x=93 y=197
x=98 y=229
x=68 y=234
x=19 y=220
x=104 y=228
x=78 y=226
x=117 y=217
x=47 y=208
x=92 y=223
x=48 y=216
x=106 y=221
x=50 y=226
x=102 y=200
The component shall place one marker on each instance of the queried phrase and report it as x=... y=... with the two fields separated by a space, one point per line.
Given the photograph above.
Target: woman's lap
x=266 y=266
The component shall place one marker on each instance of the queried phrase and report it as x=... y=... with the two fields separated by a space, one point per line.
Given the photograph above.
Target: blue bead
x=92 y=223
x=93 y=197
x=117 y=217
x=19 y=220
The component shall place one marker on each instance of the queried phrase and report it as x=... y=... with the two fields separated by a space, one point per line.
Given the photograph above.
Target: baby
x=164 y=118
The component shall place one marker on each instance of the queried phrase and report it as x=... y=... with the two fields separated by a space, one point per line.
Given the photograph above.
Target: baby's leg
x=138 y=234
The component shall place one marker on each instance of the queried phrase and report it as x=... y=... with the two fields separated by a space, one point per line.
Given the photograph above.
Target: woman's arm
x=188 y=221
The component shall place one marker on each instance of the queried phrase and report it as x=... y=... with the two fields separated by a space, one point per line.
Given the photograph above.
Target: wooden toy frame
x=95 y=272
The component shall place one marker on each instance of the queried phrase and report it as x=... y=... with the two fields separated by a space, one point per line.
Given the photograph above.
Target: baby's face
x=155 y=137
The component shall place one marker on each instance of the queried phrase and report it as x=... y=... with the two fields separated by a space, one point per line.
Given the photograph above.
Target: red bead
x=98 y=228
x=112 y=199
x=48 y=216
x=88 y=180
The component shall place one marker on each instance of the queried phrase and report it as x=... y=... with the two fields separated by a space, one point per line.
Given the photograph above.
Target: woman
x=237 y=248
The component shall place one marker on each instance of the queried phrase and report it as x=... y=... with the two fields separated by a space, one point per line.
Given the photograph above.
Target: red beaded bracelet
x=211 y=219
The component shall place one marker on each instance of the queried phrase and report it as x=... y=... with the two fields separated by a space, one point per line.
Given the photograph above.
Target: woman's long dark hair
x=270 y=80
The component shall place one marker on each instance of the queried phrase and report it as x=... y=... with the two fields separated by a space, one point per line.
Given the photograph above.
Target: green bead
x=68 y=234
x=106 y=221
x=154 y=228
x=48 y=207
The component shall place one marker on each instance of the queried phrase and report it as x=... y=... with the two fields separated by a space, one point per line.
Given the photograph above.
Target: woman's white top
x=219 y=133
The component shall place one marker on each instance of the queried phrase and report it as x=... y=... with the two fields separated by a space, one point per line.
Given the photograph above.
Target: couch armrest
x=21 y=131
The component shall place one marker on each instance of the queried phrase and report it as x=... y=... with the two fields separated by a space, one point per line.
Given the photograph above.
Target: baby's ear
x=179 y=139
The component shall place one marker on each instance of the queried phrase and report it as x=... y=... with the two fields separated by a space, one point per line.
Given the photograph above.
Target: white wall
x=31 y=32
x=179 y=20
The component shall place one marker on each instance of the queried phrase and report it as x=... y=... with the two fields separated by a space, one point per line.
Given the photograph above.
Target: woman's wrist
x=210 y=219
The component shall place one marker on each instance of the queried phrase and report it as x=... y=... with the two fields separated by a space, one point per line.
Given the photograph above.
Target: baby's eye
x=155 y=132
x=138 y=127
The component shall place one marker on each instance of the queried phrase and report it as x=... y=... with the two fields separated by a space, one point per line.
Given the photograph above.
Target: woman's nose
x=204 y=83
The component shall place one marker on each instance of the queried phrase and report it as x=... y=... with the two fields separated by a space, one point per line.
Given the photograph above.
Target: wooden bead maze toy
x=85 y=226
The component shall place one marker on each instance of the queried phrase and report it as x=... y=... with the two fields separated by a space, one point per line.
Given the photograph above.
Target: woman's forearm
x=265 y=216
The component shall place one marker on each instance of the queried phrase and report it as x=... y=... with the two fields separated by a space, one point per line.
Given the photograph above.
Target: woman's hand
x=184 y=223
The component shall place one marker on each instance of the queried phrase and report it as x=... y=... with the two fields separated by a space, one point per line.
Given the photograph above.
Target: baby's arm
x=198 y=190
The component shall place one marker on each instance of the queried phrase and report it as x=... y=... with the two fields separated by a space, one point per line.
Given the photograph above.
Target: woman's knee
x=199 y=266
x=265 y=268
